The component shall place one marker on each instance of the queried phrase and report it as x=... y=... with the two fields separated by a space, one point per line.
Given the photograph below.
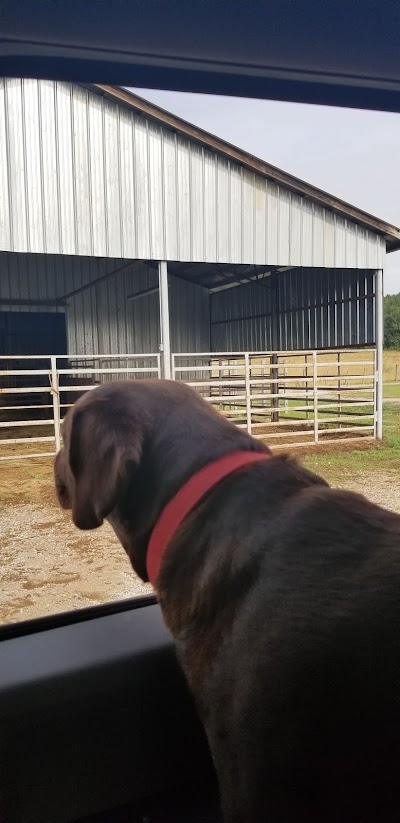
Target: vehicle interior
x=97 y=724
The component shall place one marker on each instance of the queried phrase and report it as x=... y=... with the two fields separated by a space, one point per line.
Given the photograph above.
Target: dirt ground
x=48 y=566
x=381 y=487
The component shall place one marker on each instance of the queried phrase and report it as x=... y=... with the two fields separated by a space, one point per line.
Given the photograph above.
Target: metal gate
x=288 y=399
x=33 y=401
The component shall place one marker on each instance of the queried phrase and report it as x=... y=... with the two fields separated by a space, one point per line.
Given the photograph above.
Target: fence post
x=379 y=350
x=248 y=389
x=165 y=343
x=285 y=388
x=55 y=392
x=315 y=392
x=306 y=386
x=274 y=388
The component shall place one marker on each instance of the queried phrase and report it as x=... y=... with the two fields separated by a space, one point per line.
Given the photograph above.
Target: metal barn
x=135 y=244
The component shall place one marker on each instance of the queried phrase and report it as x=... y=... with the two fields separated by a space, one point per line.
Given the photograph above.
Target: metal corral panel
x=82 y=175
x=312 y=309
x=101 y=319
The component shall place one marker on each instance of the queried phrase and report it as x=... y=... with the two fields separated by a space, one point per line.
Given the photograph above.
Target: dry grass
x=391 y=359
x=27 y=481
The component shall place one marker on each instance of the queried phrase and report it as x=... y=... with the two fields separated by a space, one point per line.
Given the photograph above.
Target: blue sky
x=352 y=154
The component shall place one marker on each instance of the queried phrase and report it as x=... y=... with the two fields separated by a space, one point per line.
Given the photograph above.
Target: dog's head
x=128 y=447
x=102 y=446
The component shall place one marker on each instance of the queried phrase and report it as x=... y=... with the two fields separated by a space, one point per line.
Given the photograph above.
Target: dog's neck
x=188 y=496
x=164 y=469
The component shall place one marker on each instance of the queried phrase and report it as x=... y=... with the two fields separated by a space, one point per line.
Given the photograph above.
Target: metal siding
x=25 y=277
x=295 y=227
x=317 y=309
x=339 y=242
x=17 y=165
x=81 y=172
x=260 y=219
x=49 y=165
x=362 y=247
x=86 y=176
x=235 y=213
x=241 y=319
x=141 y=316
x=141 y=189
x=5 y=209
x=196 y=204
x=65 y=172
x=210 y=210
x=321 y=309
x=101 y=319
x=156 y=192
x=351 y=245
x=33 y=174
x=318 y=235
x=306 y=247
x=189 y=317
x=113 y=181
x=284 y=229
x=97 y=175
x=128 y=207
x=329 y=240
x=248 y=192
x=223 y=195
x=183 y=210
x=272 y=224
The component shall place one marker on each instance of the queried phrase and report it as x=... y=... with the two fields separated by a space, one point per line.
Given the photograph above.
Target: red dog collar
x=185 y=500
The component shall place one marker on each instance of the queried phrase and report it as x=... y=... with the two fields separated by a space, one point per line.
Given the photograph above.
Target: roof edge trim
x=336 y=205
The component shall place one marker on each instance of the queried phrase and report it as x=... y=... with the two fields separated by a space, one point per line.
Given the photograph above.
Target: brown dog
x=282 y=594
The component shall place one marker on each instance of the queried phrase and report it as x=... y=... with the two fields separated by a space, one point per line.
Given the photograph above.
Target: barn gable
x=87 y=175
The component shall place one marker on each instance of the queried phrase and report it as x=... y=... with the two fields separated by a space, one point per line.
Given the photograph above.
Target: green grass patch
x=382 y=457
x=392 y=391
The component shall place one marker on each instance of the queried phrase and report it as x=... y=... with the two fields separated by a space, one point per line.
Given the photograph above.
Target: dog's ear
x=102 y=456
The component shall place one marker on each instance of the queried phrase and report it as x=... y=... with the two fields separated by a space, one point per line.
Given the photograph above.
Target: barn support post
x=274 y=372
x=379 y=353
x=165 y=343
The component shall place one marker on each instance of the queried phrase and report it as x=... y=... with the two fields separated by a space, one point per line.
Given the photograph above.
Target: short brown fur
x=282 y=594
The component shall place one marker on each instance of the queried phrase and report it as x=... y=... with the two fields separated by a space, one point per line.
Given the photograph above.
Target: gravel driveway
x=48 y=566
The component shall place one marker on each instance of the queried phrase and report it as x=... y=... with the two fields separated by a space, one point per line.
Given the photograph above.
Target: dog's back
x=304 y=691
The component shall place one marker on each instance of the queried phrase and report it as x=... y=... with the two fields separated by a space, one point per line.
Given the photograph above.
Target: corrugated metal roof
x=249 y=161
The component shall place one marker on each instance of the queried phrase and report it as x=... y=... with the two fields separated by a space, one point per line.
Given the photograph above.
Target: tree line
x=391 y=314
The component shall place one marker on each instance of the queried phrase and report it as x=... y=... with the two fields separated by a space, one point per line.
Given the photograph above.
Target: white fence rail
x=288 y=399
x=36 y=392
